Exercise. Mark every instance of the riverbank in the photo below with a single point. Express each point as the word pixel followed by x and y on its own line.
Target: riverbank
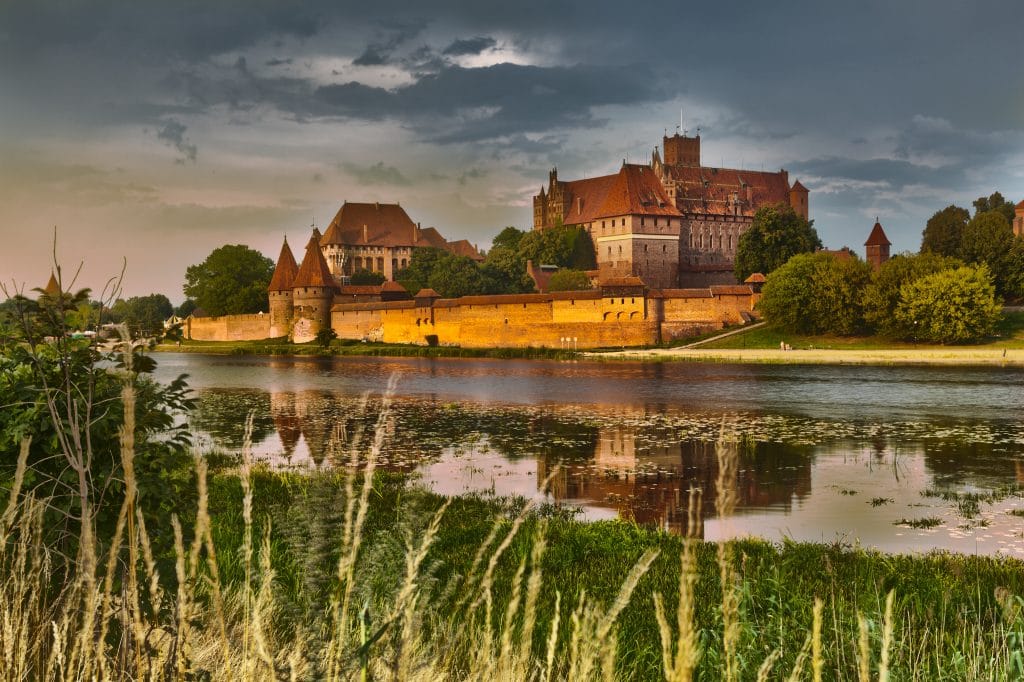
pixel 358 349
pixel 952 613
pixel 959 356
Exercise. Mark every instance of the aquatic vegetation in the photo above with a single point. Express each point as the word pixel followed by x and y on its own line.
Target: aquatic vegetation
pixel 924 522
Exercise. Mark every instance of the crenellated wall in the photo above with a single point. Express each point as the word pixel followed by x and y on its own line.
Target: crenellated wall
pixel 579 319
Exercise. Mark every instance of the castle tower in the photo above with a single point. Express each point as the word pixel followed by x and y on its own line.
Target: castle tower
pixel 876 248
pixel 280 293
pixel 312 293
pixel 681 150
pixel 1018 220
pixel 798 200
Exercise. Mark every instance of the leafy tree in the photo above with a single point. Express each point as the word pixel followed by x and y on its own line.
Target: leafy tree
pixel 951 306
pixel 68 397
pixel 944 231
pixel 363 276
pixel 143 315
pixel 988 239
pixel 508 238
pixel 568 279
pixel 186 308
pixel 776 235
pixel 563 246
pixel 325 336
pixel 1014 283
pixel 454 276
pixel 504 272
pixel 994 202
pixel 882 295
pixel 817 294
pixel 416 275
pixel 232 280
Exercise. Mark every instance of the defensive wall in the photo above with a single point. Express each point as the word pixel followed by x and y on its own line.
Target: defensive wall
pixel 228 328
pixel 598 318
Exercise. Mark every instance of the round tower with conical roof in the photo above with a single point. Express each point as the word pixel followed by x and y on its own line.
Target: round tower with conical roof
pixel 312 293
pixel 280 293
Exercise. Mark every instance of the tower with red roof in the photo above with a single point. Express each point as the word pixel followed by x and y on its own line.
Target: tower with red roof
pixel 876 248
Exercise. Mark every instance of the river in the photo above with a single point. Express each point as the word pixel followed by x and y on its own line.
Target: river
pixel 902 459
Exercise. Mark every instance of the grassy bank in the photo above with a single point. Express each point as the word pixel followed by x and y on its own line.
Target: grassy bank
pixel 343 348
pixel 949 623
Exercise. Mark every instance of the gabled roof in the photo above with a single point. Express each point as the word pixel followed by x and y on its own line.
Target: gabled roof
pixel 636 191
pixel 462 247
pixel 427 293
pixel 583 198
pixel 284 273
pixel 1020 206
pixel 392 285
pixel 798 186
pixel 386 225
pixel 877 237
pixel 755 278
pixel 314 271
pixel 709 191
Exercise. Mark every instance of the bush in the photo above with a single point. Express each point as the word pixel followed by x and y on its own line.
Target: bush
pixel 882 295
pixel 951 306
pixel 816 294
pixel 569 280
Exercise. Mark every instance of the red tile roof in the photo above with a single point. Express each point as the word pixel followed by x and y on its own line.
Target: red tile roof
pixel 755 278
pixel 284 273
pixel 798 186
pixel 583 198
pixel 877 237
pixel 729 290
pixel 387 225
pixel 701 190
pixel 314 271
pixel 391 285
pixel 636 191
pixel 427 293
pixel 1020 206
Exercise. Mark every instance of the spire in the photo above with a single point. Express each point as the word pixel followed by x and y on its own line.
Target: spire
pixel 314 271
pixel 877 236
pixel 284 273
pixel 52 288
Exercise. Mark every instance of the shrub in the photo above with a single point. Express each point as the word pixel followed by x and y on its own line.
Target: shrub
pixel 951 306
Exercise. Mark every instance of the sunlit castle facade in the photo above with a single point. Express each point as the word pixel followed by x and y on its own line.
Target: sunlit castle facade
pixel 672 222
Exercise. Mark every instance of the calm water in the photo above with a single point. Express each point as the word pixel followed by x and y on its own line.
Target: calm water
pixel 833 454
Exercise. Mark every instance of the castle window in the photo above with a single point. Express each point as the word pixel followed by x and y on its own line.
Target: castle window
pixel 642 219
pixel 645 248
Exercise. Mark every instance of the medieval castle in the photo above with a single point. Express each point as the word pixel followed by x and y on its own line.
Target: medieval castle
pixel 671 222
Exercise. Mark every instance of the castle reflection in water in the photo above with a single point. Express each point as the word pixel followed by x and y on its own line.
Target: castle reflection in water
pixel 637 473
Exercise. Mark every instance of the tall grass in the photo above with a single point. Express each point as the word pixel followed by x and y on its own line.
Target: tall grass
pixel 115 617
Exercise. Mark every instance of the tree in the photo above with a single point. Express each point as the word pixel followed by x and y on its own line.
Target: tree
pixel 1015 269
pixel 568 279
pixel 504 272
pixel 416 275
pixel 944 231
pixel 816 294
pixel 143 315
pixel 994 202
pixel 232 280
pixel 563 246
pixel 882 295
pixel 454 276
pixel 363 276
pixel 988 239
pixel 508 238
pixel 186 308
pixel 776 235
pixel 951 306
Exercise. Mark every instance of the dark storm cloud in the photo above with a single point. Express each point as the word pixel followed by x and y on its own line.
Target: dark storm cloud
pixel 395 34
pixel 173 134
pixel 896 173
pixel 469 46
pixel 376 174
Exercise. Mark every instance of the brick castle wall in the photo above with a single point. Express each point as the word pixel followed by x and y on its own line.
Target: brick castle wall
pixel 588 319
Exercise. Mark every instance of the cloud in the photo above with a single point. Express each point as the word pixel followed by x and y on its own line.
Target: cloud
pixel 470 46
pixel 173 134
pixel 373 55
pixel 376 174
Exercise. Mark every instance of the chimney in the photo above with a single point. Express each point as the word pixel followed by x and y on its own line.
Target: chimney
pixel 366 233
pixel 416 233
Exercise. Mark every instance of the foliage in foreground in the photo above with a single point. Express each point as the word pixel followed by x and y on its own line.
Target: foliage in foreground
pixel 327 575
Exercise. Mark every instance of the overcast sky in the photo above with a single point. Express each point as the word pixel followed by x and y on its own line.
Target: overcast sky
pixel 156 131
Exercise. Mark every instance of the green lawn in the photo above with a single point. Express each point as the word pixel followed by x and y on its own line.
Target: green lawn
pixel 1009 334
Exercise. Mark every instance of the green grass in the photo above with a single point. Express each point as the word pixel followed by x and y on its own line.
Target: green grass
pixel 357 348
pixel 1009 334
pixel 941 599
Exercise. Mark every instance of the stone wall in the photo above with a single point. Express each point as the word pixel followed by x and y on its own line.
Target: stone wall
pixel 579 319
pixel 228 328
